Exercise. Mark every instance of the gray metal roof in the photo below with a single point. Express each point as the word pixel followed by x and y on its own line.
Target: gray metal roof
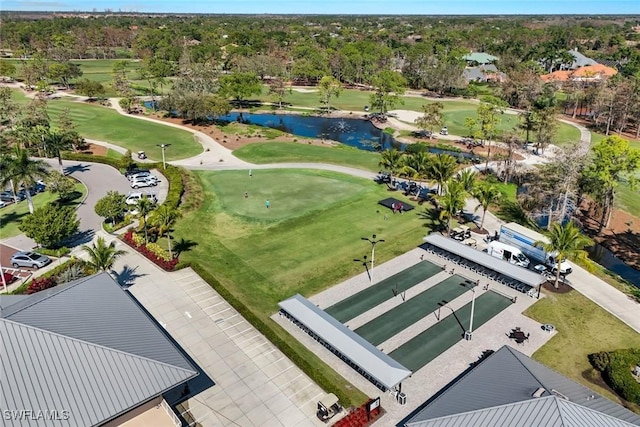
pixel 550 411
pixel 377 364
pixel 96 309
pixel 503 267
pixel 61 368
pixel 579 60
pixel 508 377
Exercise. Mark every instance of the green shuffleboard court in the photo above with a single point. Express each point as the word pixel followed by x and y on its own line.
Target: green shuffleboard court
pixel 406 314
pixel 422 349
pixel 368 298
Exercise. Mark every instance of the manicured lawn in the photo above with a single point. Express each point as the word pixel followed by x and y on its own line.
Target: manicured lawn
pixel 11 215
pixel 113 154
pixel 304 243
pixel 288 152
pixel 627 199
pixel 106 124
pixel 100 70
pixel 583 328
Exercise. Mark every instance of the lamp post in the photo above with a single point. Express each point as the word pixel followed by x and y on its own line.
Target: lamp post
pixel 469 333
pixel 163 146
pixel 373 242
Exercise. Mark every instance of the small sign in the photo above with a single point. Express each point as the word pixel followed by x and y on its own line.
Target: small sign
pixel 375 403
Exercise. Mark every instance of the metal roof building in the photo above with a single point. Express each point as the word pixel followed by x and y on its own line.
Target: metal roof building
pixel 510 389
pixel 375 365
pixel 86 348
pixel 523 275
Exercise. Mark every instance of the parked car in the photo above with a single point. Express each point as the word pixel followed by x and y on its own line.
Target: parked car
pixel 29 259
pixel 2 204
pixel 7 196
pixel 133 172
pixel 144 182
pixel 132 198
pixel 8 278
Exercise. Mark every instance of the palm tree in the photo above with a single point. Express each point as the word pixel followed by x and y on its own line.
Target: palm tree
pixel 391 160
pixel 163 218
pixel 55 142
pixel 486 194
pixel 441 169
pixel 144 206
pixel 451 202
pixel 567 242
pixel 468 180
pixel 21 170
pixel 102 256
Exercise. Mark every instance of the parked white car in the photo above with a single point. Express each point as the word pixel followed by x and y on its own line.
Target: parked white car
pixel 132 198
pixel 144 182
pixel 138 175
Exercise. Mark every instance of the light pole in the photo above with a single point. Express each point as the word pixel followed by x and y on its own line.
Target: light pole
pixel 163 146
pixel 469 333
pixel 373 242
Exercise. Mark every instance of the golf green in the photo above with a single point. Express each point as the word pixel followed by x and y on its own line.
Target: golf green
pixel 422 349
pixel 372 296
pixel 406 314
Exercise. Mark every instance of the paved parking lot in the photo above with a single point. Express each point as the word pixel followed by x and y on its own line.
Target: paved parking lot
pixel 255 384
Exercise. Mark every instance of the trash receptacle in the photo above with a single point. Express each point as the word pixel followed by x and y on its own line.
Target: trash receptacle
pixel 468 335
pixel 402 398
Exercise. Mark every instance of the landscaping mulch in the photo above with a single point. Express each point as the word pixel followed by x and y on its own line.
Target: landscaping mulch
pixel 563 288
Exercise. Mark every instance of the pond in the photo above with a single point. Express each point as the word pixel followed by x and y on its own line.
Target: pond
pixel 608 260
pixel 358 133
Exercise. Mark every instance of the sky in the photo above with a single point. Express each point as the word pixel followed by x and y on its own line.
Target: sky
pixel 337 7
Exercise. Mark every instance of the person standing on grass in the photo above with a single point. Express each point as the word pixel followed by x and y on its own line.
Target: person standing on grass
pixel 267 204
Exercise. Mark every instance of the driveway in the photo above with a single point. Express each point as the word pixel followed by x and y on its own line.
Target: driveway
pixel 99 180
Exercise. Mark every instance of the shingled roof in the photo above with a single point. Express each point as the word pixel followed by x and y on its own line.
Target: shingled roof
pixel 87 348
pixel 501 391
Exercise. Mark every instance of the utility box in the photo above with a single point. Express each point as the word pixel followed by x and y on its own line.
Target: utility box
pixel 468 335
pixel 402 398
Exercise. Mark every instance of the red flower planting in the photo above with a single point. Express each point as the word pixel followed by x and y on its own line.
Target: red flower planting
pixel 40 284
pixel 160 262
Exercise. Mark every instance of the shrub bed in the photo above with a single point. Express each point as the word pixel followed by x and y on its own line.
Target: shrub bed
pixel 61 251
pixel 53 274
pixel 168 264
pixel 40 284
pixel 616 368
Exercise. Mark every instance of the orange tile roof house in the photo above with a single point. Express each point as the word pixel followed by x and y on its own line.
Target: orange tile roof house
pixel 589 73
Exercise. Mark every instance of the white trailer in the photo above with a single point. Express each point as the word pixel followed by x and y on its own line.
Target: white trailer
pixel 523 238
pixel 508 253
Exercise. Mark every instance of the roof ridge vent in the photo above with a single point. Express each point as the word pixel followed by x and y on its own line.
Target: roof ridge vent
pixel 560 395
pixel 539 392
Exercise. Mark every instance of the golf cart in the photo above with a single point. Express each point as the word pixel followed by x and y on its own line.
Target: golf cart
pixel 142 155
pixel 444 131
pixel 328 407
pixel 460 233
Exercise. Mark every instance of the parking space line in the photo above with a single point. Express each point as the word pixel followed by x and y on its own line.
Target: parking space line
pixel 241 332
pixel 232 326
pixel 308 385
pixel 292 379
pixel 248 339
pixel 314 399
pixel 216 314
pixel 281 372
pixel 206 299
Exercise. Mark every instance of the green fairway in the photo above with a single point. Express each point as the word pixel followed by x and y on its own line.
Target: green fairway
pixel 106 124
pixel 406 314
pixel 287 152
pixel 431 343
pixel 12 215
pixel 372 296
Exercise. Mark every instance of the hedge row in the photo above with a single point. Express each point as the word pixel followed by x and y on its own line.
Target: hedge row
pixel 617 367
pixel 307 367
pixel 49 274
